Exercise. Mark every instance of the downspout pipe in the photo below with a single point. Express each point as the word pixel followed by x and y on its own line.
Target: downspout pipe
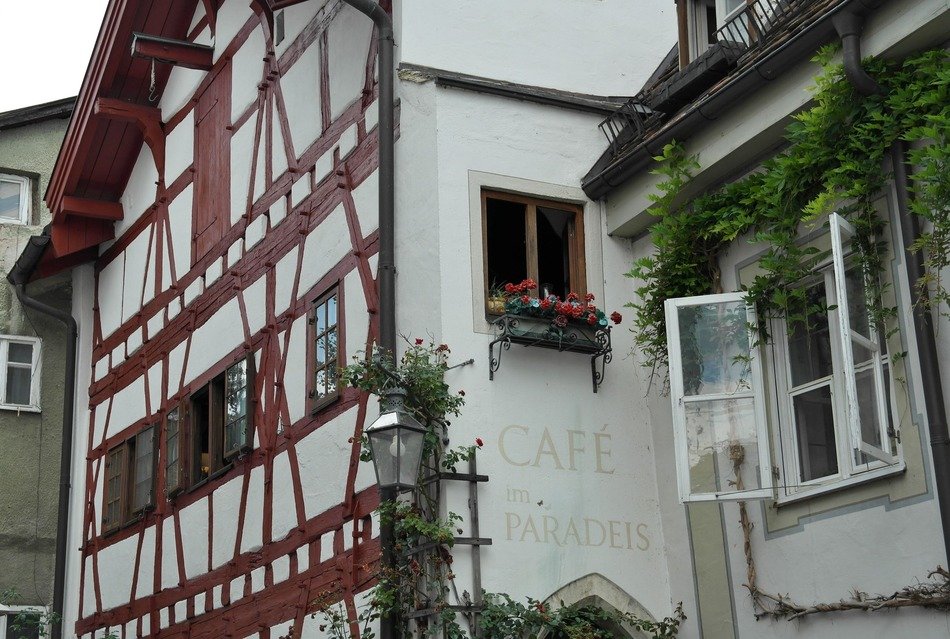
pixel 849 27
pixel 18 276
pixel 390 623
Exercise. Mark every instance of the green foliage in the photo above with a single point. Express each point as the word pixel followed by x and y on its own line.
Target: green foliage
pixel 28 622
pixel 834 161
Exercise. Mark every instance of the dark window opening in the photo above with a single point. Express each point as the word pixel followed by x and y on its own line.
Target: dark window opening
pixel 507 254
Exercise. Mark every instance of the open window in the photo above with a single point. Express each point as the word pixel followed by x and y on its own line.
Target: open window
pixel 206 432
pixel 720 430
pixel 130 479
pixel 526 237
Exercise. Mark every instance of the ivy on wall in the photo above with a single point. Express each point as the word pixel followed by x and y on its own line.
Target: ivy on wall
pixel 834 161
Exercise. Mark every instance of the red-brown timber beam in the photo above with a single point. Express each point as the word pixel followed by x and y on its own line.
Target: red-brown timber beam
pixel 148 119
pixel 97 209
pixel 180 53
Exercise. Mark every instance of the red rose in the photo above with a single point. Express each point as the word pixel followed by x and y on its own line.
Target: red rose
pixel 616 317
pixel 591 319
pixel 479 442
pixel 418 341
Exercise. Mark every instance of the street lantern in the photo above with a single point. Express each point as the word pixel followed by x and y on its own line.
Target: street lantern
pixel 395 442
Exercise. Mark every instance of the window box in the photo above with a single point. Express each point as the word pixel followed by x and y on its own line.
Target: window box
pixel 576 337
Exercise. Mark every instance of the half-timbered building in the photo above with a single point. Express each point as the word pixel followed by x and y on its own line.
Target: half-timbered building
pixel 216 200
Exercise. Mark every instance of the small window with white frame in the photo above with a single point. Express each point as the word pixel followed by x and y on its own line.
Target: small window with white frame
pixel 15 199
pixel 22 622
pixel 829 373
pixel 20 373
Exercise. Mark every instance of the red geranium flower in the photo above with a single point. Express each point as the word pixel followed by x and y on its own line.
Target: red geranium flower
pixel 509 288
pixel 545 304
pixel 525 299
pixel 589 297
pixel 616 317
pixel 577 311
pixel 572 297
pixel 529 284
pixel 591 319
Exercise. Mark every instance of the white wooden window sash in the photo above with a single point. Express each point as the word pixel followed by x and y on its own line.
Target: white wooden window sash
pixel 718 452
pixel 842 231
pixel 34 367
pixel 25 198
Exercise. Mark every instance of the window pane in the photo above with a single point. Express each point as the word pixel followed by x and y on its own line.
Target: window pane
pixel 236 377
pixel 320 317
pixel 331 310
pixel 321 350
pixel 720 433
pixel 142 492
pixel 714 342
pixel 814 421
pixel 236 405
pixel 554 267
pixel 235 434
pixel 21 353
pixel 866 386
pixel 809 342
pixel 857 302
pixel 23 626
pixel 9 200
pixel 172 453
pixel 18 385
pixel 507 256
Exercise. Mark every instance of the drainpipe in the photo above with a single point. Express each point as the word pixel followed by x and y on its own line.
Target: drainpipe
pixel 391 622
pixel 18 276
pixel 849 26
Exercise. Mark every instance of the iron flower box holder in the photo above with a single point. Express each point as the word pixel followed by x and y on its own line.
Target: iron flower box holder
pixel 572 325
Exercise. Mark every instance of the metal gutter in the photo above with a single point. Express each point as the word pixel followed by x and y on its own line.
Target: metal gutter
pixel 19 276
pixel 849 27
pixel 608 174
pixel 583 102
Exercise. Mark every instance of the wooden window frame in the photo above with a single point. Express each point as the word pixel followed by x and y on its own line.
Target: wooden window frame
pixel 188 464
pixel 576 252
pixel 125 451
pixel 317 403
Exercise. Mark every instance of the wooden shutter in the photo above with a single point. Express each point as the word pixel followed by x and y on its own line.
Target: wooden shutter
pixel 211 207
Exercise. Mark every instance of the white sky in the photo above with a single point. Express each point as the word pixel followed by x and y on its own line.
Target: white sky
pixel 49 42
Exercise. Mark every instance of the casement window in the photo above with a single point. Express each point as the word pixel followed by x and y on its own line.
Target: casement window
pixel 526 237
pixel 22 622
pixel 20 372
pixel 15 199
pixel 324 355
pixel 129 479
pixel 832 410
pixel 205 433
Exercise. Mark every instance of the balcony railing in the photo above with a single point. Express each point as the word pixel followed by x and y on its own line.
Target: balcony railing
pixel 754 23
pixel 628 122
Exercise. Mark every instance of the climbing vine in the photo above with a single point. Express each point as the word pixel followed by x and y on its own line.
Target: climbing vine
pixel 834 159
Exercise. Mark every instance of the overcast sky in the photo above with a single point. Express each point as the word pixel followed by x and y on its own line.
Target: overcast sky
pixel 48 43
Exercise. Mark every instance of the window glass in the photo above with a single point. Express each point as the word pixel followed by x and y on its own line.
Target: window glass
pixel 112 514
pixel 325 349
pixel 814 418
pixel 714 343
pixel 21 353
pixel 809 340
pixel 18 385
pixel 172 453
pixel 10 200
pixel 235 407
pixel 719 434
pixel 143 470
pixel 507 242
pixel 23 626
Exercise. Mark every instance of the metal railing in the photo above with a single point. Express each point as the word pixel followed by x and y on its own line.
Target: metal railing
pixel 631 120
pixel 753 24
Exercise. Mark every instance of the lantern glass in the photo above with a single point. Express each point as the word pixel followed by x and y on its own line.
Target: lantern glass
pixel 396 441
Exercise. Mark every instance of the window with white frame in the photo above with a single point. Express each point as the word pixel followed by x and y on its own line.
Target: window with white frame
pixel 828 374
pixel 20 373
pixel 22 622
pixel 15 199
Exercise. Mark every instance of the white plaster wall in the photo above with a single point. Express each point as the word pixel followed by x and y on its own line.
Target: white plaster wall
pixel 325 246
pixel 348 42
pixel 295 375
pixel 179 148
pixel 194 537
pixel 324 457
pixel 253 512
pixel 136 259
pixel 606 47
pixel 301 94
pixel 541 398
pixel 146 578
pixel 179 220
pixel 284 507
pixel 110 295
pixel 214 339
pixel 181 86
pixel 227 503
pixel 247 69
pixel 128 406
pixel 139 192
pixel 357 319
pixel 115 586
pixel 230 18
